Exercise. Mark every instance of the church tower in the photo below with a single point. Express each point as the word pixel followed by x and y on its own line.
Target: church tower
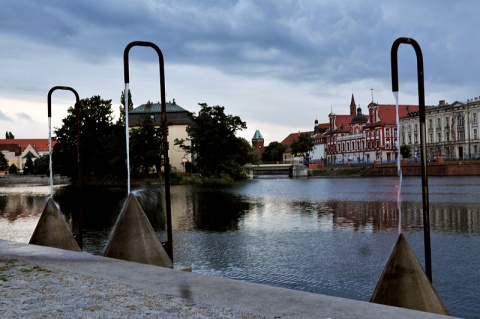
pixel 257 143
pixel 353 107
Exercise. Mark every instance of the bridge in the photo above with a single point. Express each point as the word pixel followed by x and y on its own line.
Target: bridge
pixel 272 169
pixel 292 170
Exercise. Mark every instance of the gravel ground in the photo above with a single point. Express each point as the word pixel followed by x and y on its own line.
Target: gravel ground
pixel 30 291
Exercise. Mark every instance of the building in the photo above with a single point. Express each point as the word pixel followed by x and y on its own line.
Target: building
pixel 451 130
pixel 365 138
pixel 177 121
pixel 258 143
pixel 17 151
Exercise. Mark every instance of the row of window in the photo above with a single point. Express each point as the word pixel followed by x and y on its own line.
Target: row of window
pixel 440 135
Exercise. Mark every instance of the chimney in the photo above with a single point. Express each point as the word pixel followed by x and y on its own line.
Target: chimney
pixel 441 103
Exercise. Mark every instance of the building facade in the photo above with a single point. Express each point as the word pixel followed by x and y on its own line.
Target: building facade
pixel 177 121
pixel 452 130
pixel 365 138
pixel 16 151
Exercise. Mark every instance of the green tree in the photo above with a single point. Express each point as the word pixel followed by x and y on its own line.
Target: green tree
pixel 274 152
pixel 97 136
pixel 121 118
pixel 41 165
pixel 213 142
pixel 13 169
pixel 3 162
pixel 303 145
pixel 145 147
pixel 405 151
pixel 28 167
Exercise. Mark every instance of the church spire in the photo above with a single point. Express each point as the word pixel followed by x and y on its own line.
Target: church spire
pixel 353 107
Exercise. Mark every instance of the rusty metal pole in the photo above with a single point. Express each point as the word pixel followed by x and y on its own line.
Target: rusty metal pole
pixel 78 108
pixel 423 149
pixel 169 243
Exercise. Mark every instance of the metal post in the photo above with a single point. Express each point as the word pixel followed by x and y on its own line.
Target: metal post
pixel 423 152
pixel 169 243
pixel 78 108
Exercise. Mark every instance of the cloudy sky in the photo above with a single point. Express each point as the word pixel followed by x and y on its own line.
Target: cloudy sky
pixel 278 64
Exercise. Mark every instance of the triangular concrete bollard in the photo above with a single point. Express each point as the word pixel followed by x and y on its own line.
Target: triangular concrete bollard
pixel 404 283
pixel 52 230
pixel 134 239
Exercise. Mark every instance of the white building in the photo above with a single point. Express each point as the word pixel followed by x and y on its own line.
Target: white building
pixel 451 130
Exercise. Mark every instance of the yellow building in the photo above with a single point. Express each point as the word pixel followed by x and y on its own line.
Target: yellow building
pixel 17 150
pixel 177 121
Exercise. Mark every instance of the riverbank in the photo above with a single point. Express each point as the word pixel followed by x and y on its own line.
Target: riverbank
pixel 377 169
pixel 33 180
pixel 37 282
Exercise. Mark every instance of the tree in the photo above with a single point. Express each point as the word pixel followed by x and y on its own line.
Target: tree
pixel 3 162
pixel 28 168
pixel 121 118
pixel 145 147
pixel 9 136
pixel 97 138
pixel 41 165
pixel 274 152
pixel 405 151
pixel 13 169
pixel 303 145
pixel 213 141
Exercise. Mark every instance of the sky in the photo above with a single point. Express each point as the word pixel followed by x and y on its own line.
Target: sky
pixel 277 64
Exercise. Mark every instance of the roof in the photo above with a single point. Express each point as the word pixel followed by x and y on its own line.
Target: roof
pixel 359 118
pixel 40 144
pixel 176 115
pixel 149 108
pixel 257 135
pixel 292 137
pixel 388 112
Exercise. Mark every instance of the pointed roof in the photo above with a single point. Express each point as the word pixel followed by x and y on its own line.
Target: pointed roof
pixel 352 102
pixel 257 135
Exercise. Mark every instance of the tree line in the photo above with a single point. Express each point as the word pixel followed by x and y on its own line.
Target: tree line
pixel 212 141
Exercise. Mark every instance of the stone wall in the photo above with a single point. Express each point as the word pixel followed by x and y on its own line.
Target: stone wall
pixel 433 169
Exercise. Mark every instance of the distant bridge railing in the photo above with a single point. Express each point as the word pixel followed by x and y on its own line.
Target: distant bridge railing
pixel 272 169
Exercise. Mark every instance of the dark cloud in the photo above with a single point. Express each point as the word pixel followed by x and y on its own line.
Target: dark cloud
pixel 332 48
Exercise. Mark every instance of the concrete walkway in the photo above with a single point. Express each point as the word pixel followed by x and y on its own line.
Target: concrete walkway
pixel 43 282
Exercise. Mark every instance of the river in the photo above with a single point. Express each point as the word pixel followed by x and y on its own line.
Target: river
pixel 323 235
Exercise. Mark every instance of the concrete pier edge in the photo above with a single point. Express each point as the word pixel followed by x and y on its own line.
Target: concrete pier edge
pixel 267 301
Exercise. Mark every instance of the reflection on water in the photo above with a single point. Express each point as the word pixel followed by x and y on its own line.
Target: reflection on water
pixel 330 236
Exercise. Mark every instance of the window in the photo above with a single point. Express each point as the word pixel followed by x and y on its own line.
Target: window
pixel 447 136
pixel 387 132
pixel 409 139
pixel 431 138
pixel 460 120
pixel 461 135
pixel 416 138
pixel 439 137
pixel 474 118
pixel 475 134
pixel 430 123
pixel 447 121
pixel 439 122
pixel 395 132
